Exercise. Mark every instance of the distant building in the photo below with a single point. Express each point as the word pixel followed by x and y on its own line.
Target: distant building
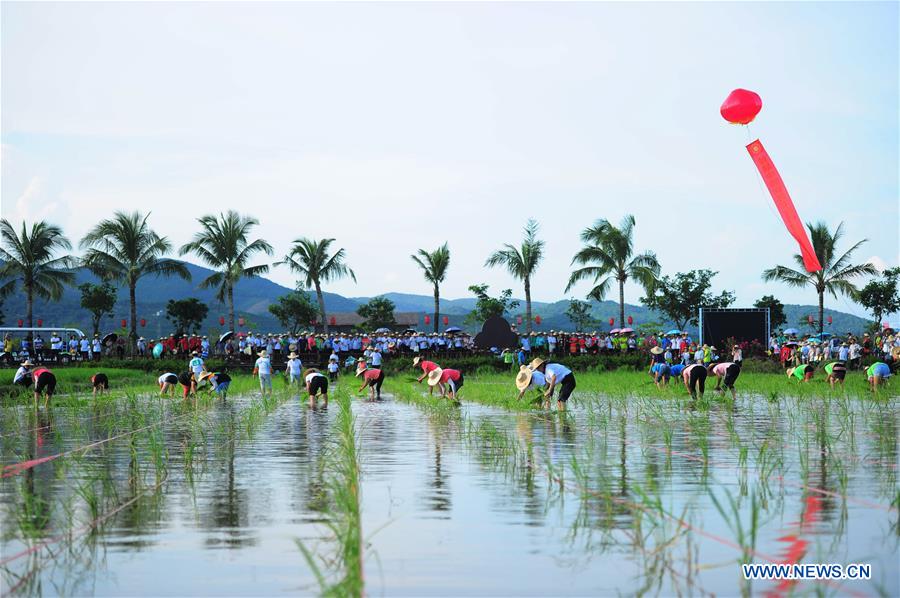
pixel 352 322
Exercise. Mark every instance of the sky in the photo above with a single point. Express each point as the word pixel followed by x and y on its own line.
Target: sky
pixel 393 127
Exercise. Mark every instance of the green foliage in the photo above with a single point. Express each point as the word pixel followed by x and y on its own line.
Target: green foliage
pixel 776 310
pixel 126 249
pixel 522 262
pixel 608 257
pixel 99 299
pixel 186 315
pixel 29 258
pixel 223 245
pixel 434 265
pixel 837 270
pixel 680 296
pixel 294 311
pixel 378 312
pixel 487 306
pixel 881 297
pixel 579 313
pixel 312 261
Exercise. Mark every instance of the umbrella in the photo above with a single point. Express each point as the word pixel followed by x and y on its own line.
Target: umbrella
pixel 158 350
pixel 453 329
pixel 824 334
pixel 813 340
pixel 226 336
pixel 110 338
pixel 791 331
pixel 382 330
pixel 413 330
pixel 789 343
pixel 673 332
pixel 615 331
pixel 626 330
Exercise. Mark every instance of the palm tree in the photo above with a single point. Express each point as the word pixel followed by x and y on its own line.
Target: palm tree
pixel 836 272
pixel 310 259
pixel 434 266
pixel 223 245
pixel 607 256
pixel 29 257
pixel 522 262
pixel 125 249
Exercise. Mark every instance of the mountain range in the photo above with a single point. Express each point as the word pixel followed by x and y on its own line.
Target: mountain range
pixel 253 295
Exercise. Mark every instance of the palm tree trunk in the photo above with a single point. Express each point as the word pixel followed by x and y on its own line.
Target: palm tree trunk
pixel 231 307
pixel 132 336
pixel 437 306
pixel 621 303
pixel 821 311
pixel 29 305
pixel 528 305
pixel 321 300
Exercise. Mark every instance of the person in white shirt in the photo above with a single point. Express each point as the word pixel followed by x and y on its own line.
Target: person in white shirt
pixel 376 358
pixel 96 347
pixel 316 384
pixel 263 368
pixel 196 365
pixel 294 368
pixel 333 368
pixel 556 375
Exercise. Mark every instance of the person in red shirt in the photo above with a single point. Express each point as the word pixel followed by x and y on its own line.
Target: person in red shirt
pixel 373 378
pixel 453 379
pixel 44 383
pixel 427 368
pixel 100 382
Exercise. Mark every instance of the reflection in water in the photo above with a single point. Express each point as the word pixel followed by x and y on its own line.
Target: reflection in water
pixel 576 503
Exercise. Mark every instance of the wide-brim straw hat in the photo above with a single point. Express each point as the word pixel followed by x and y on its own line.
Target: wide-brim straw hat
pixel 27 363
pixel 416 360
pixel 523 378
pixel 292 355
pixel 360 371
pixel 263 353
pixel 536 363
pixel 434 376
pixel 206 375
pixel 790 372
pixel 656 350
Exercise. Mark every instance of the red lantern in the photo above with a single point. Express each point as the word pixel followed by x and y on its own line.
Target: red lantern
pixel 124 322
pixel 241 321
pixel 612 321
pixel 518 319
pixel 446 320
pixel 21 323
pixel 332 321
pixel 40 322
pixel 427 319
pixel 630 320
pixel 537 320
pixel 221 320
pixel 143 322
pixel 829 320
pixel 809 319
pixel 741 107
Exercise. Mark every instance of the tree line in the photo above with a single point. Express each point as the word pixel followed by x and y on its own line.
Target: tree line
pixel 124 249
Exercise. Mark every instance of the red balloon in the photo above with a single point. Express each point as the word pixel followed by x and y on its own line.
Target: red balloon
pixel 124 322
pixel 40 323
pixel 332 321
pixel 221 320
pixel 21 323
pixel 630 320
pixel 537 320
pixel 143 322
pixel 446 320
pixel 829 319
pixel 612 321
pixel 741 107
pixel 428 319
pixel 241 321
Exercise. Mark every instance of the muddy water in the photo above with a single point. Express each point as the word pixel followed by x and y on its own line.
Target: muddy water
pixel 473 501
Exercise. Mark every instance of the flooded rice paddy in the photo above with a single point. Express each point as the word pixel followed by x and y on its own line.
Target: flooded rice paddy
pixel 412 496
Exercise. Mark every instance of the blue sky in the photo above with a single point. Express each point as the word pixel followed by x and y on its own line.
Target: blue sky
pixel 397 126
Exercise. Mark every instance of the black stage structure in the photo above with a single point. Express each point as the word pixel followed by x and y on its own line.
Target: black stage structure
pixel 742 324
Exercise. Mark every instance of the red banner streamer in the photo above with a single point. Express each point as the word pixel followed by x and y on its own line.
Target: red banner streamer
pixel 784 204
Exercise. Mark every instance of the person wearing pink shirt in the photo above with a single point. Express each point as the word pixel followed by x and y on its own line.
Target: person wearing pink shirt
pixel 427 368
pixel 446 378
pixel 726 374
pixel 373 378
pixel 694 377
